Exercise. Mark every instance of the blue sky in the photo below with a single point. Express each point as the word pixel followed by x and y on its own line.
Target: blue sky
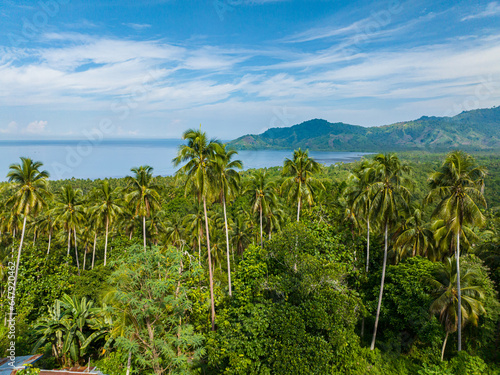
pixel 155 68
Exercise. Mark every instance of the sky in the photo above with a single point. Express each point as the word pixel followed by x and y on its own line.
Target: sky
pixel 154 68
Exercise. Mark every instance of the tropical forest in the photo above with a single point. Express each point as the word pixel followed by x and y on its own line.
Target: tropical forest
pixel 387 265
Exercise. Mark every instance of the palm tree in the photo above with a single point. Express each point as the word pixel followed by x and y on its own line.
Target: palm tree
pixel 228 185
pixel 193 222
pixel 388 196
pixel 359 198
pixel 240 231
pixel 413 237
pixel 107 207
pixel 199 153
pixel 301 183
pixel 28 199
pixel 262 194
pixel 458 186
pixel 174 231
pixel 45 224
pixel 144 194
pixel 69 211
pixel 446 302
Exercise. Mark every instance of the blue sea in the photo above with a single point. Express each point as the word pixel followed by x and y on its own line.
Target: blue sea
pixel 65 159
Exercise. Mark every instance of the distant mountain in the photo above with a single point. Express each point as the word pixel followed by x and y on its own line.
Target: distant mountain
pixel 472 130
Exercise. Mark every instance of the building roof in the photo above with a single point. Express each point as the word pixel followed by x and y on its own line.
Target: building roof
pixel 21 361
pixel 6 367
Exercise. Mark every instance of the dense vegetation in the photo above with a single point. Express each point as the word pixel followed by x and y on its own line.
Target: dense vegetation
pixel 349 269
pixel 471 131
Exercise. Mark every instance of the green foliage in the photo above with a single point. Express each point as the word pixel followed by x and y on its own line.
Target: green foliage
pixel 405 319
pixel 114 363
pixel 29 370
pixel 151 289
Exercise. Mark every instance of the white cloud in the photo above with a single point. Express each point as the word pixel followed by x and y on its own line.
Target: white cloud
pixel 36 127
pixel 137 26
pixel 11 128
pixel 492 9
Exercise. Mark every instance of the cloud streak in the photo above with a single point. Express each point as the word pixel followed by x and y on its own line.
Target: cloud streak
pixel 492 9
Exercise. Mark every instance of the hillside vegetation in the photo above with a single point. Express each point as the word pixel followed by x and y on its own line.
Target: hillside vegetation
pixel 472 131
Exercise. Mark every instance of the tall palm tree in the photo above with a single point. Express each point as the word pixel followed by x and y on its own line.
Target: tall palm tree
pixel 389 195
pixel 458 185
pixel 446 303
pixel 144 194
pixel 301 183
pixel 199 153
pixel 262 194
pixel 228 186
pixel 359 198
pixel 28 199
pixel 69 210
pixel 107 208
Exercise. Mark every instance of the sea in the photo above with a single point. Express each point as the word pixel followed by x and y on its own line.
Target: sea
pixel 86 159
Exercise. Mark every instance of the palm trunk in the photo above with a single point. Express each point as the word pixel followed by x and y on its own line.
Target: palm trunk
pixel 93 251
pixel 209 265
pixel 459 292
pixel 199 247
pixel 260 225
pixel 227 245
pixel 69 240
pixel 129 362
pixel 368 246
pixel 444 346
pixel 372 346
pixel 50 240
pixel 11 309
pixel 76 254
pixel 84 257
pixel 144 231
pixel 106 241
pixel 298 210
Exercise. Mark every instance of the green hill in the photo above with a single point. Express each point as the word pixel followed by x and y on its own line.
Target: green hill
pixel 472 130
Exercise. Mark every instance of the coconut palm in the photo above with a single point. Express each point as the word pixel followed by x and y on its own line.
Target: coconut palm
pixel 107 207
pixel 228 186
pixel 69 211
pixel 193 222
pixel 174 231
pixel 359 199
pixel 262 195
pixel 389 195
pixel 240 230
pixel 446 302
pixel 413 237
pixel 275 217
pixel 458 186
pixel 28 198
pixel 46 224
pixel 143 194
pixel 200 171
pixel 300 182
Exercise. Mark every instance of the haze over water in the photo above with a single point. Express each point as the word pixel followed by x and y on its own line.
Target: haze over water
pixel 114 158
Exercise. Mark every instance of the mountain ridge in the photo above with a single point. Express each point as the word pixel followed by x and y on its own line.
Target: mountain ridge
pixel 473 130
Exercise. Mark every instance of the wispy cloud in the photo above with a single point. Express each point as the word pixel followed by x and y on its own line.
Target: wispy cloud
pixel 492 9
pixel 138 26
